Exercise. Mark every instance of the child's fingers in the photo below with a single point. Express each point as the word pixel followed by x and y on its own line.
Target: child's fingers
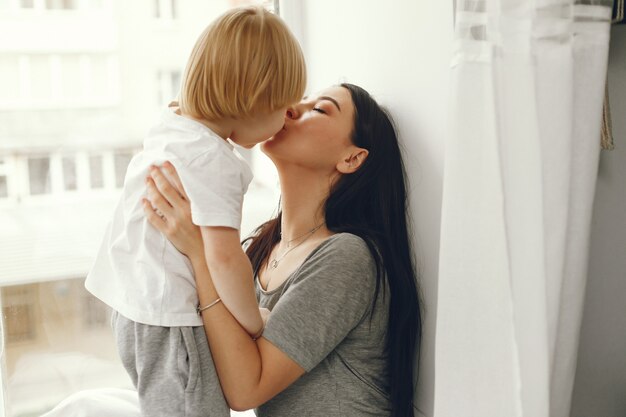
pixel 164 187
pixel 154 219
pixel 172 176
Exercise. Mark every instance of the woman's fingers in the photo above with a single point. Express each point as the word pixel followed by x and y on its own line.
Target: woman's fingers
pixel 172 176
pixel 158 201
pixel 164 187
pixel 154 219
pixel 174 221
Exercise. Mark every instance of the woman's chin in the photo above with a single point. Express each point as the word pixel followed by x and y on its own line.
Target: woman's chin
pixel 266 147
pixel 268 144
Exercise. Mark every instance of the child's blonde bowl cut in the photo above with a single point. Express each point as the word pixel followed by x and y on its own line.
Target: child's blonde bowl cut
pixel 245 63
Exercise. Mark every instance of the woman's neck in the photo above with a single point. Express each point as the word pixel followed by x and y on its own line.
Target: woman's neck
pixel 302 202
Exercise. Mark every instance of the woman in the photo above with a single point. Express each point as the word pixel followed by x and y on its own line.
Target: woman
pixel 334 267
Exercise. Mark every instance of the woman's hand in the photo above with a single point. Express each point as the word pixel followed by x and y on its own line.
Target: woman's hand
pixel 167 208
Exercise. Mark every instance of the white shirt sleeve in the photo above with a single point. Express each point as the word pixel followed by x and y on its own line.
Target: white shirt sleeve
pixel 214 183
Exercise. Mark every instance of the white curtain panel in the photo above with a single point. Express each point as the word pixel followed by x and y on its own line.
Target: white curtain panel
pixel 520 170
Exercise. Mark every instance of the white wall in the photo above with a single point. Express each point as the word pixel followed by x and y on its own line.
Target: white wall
pixel 600 387
pixel 400 52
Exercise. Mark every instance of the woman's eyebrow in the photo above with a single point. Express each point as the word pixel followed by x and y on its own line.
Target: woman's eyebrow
pixel 331 100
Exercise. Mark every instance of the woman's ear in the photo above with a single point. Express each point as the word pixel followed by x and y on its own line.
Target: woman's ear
pixel 352 161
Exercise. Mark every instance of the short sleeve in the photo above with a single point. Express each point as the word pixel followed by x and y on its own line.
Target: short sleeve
pixel 328 297
pixel 214 184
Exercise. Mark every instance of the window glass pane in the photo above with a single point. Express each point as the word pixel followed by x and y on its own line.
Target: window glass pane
pixel 18 311
pixel 100 76
pixel 61 4
pixel 40 77
pixel 69 173
pixel 4 190
pixel 175 82
pixel 9 76
pixel 121 163
pixel 56 313
pixel 71 75
pixel 39 175
pixel 95 171
pixel 168 86
pixel 174 7
pixel 166 9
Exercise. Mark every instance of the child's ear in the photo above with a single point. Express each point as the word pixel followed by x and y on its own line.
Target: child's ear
pixel 352 161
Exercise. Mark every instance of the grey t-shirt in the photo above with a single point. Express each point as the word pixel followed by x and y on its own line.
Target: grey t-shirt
pixel 320 318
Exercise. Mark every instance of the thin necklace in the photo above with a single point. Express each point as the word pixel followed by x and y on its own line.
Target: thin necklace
pixel 313 230
pixel 274 262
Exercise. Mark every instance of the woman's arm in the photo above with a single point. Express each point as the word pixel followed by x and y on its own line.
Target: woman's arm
pixel 250 372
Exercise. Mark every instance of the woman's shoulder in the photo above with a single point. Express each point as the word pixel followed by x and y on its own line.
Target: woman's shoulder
pixel 341 257
pixel 342 245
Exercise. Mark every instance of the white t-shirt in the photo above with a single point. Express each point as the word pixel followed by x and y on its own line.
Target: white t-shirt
pixel 137 271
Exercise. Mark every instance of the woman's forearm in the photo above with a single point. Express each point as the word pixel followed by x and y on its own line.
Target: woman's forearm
pixel 236 356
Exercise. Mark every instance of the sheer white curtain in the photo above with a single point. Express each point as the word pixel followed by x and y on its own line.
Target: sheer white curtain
pixel 521 160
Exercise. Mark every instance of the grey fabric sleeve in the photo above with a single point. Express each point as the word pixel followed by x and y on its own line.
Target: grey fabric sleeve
pixel 328 297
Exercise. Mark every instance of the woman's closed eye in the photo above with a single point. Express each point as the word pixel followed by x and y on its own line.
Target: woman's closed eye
pixel 319 110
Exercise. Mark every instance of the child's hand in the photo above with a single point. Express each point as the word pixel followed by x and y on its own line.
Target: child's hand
pixel 265 313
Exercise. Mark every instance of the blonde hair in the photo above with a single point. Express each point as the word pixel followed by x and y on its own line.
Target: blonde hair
pixel 245 62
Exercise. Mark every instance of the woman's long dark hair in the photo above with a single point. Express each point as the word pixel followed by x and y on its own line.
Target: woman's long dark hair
pixel 372 204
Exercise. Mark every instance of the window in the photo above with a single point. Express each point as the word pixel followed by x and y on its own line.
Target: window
pixel 122 159
pixel 72 85
pixel 168 86
pixel 96 176
pixel 69 173
pixel 72 123
pixel 40 77
pixel 18 309
pixel 165 9
pixel 60 4
pixel 94 312
pixel 4 187
pixel 9 74
pixel 39 175
pixel 54 79
pixel 100 76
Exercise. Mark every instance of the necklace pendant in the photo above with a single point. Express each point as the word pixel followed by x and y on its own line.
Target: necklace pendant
pixel 274 264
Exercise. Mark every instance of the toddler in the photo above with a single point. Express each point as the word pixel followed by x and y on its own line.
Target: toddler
pixel 244 71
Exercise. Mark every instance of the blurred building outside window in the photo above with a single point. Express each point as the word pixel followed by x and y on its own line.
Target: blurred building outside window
pixel 81 82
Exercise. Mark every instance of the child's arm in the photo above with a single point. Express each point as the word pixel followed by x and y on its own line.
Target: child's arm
pixel 232 276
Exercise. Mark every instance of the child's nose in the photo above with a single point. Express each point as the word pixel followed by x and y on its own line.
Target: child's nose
pixel 292 113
